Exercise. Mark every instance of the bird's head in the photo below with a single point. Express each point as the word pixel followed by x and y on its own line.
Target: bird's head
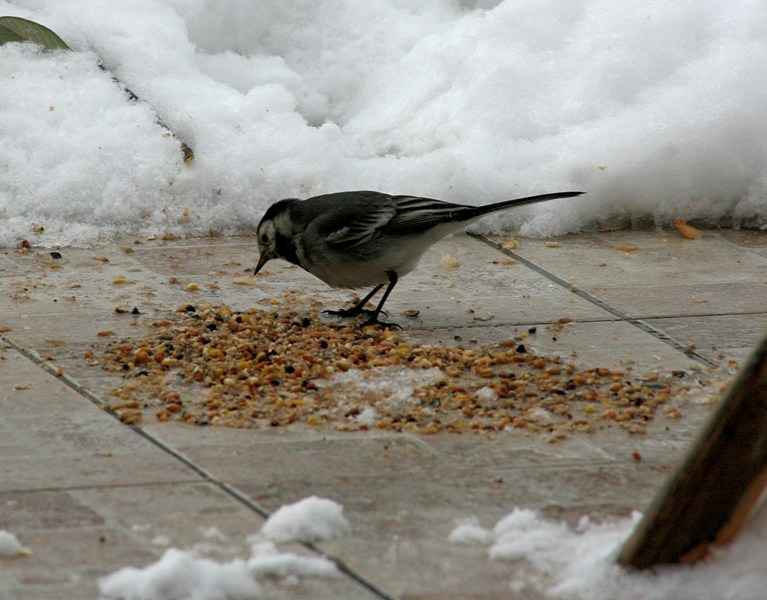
pixel 275 234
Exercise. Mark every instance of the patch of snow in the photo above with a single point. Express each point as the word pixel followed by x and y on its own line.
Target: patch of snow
pixel 310 519
pixel 9 544
pixel 267 561
pixel 552 560
pixel 186 575
pixel 180 574
pixel 469 531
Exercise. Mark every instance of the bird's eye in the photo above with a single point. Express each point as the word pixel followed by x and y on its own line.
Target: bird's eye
pixel 264 238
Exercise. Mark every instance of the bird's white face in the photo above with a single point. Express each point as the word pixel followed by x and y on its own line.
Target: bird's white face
pixel 267 243
pixel 266 236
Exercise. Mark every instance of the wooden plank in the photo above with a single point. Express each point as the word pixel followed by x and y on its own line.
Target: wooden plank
pixel 716 486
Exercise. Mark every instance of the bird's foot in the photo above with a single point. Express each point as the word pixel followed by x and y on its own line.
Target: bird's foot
pixel 345 313
pixel 373 320
pixel 355 311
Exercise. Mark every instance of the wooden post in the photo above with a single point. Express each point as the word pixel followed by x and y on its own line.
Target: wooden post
pixel 716 486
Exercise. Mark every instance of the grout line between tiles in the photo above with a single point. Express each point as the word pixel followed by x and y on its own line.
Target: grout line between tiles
pixel 738 249
pixel 203 473
pixel 622 316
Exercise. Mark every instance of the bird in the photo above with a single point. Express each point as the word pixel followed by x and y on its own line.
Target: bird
pixel 358 239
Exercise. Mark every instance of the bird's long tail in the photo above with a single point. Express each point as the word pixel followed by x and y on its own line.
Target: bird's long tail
pixel 489 208
pixel 416 214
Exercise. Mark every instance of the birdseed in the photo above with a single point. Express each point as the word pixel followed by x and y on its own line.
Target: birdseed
pixel 281 365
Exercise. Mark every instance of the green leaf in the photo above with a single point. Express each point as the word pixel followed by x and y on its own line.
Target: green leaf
pixel 16 29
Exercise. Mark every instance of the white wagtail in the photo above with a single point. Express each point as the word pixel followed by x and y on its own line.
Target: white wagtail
pixel 358 239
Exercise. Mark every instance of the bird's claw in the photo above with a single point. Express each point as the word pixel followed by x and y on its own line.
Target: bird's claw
pixel 348 312
pixel 372 316
pixel 373 320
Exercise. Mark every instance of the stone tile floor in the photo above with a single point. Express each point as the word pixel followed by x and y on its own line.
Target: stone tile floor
pixel 89 494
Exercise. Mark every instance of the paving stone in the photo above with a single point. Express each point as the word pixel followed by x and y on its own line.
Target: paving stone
pixel 745 238
pixel 89 495
pixel 702 299
pixel 69 561
pixel 717 337
pixel 661 258
pixel 601 344
pixel 46 509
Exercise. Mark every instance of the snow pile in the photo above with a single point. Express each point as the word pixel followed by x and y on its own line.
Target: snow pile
pixel 9 545
pixel 181 574
pixel 556 561
pixel 267 561
pixel 307 520
pixel 656 110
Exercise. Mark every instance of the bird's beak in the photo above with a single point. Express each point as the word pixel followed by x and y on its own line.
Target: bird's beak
pixel 262 260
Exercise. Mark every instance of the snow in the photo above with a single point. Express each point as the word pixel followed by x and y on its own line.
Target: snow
pixel 268 561
pixel 655 109
pixel 469 531
pixel 389 386
pixel 308 520
pixel 9 544
pixel 185 574
pixel 180 574
pixel 552 560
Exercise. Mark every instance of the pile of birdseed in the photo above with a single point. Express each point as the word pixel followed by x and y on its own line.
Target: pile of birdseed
pixel 278 365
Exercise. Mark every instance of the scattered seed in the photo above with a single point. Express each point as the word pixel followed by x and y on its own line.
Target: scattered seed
pixel 687 231
pixel 274 367
pixel 449 262
pixel 244 280
pixel 510 245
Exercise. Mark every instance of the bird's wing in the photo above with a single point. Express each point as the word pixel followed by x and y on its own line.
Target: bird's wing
pixel 415 214
pixel 355 222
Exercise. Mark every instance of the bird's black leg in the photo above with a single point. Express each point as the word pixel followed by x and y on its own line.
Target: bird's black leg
pixel 358 308
pixel 373 319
